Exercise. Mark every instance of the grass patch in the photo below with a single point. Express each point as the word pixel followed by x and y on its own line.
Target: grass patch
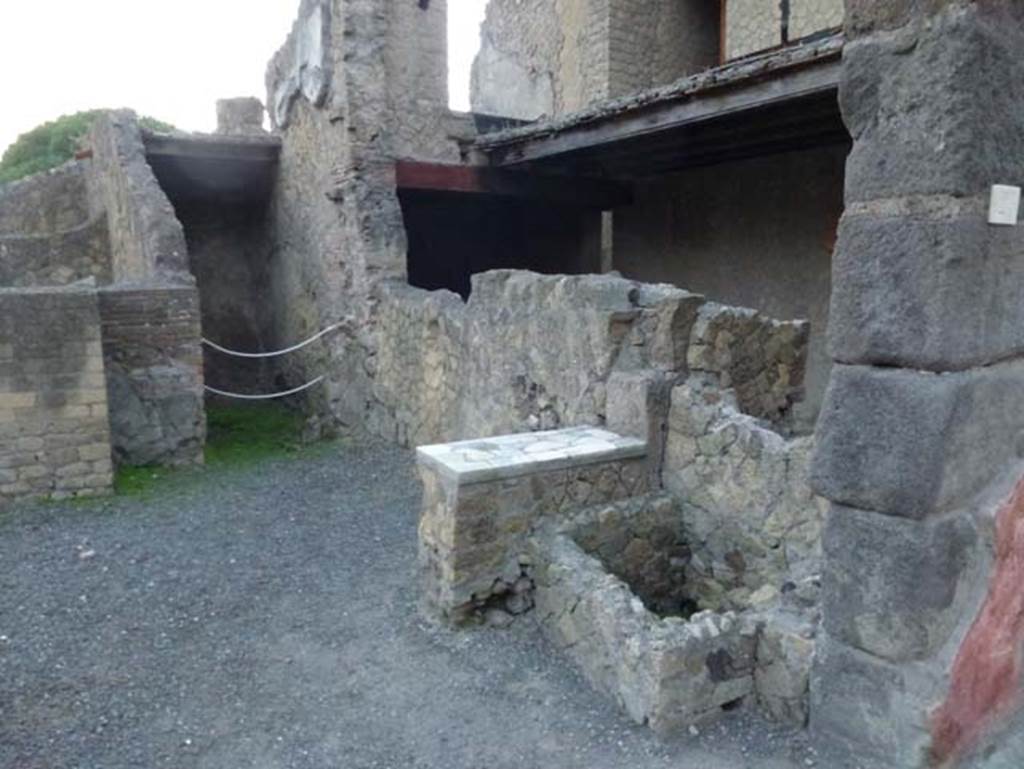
pixel 237 436
pixel 242 434
pixel 138 481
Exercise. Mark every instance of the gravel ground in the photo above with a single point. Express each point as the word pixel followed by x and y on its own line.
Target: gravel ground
pixel 266 617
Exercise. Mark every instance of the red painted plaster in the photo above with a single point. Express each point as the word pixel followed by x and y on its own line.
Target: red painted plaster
pixel 985 682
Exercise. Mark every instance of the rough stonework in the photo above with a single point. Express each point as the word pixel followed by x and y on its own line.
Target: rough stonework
pixel 240 117
pixel 54 434
pixel 669 671
pixel 46 203
pixel 102 226
pixel 65 257
pixel 613 589
pixel 154 374
pixel 482 498
pixel 146 240
pixel 919 442
pixel 752 518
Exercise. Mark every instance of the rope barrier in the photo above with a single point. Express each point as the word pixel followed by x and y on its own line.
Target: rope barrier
pixel 240 396
pixel 274 354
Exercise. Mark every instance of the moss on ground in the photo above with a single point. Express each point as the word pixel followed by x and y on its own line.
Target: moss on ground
pixel 237 436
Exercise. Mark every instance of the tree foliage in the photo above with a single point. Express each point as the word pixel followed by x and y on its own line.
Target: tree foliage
pixel 53 143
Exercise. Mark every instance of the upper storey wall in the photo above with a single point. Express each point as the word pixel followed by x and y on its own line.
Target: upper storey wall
pixel 552 57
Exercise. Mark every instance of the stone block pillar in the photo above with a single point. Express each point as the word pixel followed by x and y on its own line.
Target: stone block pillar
pixel 921 437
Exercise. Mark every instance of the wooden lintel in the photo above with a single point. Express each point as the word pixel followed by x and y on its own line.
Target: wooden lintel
pixel 736 100
pixel 484 180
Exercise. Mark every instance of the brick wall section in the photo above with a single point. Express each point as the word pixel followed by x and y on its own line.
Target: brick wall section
pixel 54 435
pixel 154 374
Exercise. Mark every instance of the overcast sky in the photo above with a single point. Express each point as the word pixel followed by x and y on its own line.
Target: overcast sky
pixel 171 60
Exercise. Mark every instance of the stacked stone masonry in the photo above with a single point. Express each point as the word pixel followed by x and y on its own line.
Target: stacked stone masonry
pixel 482 499
pixel 919 440
pixel 54 434
pixel 613 591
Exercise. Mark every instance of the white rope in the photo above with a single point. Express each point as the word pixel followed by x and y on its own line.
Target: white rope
pixel 274 354
pixel 299 389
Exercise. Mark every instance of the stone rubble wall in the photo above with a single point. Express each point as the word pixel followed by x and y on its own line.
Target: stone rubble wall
pixel 154 375
pixel 760 358
pixel 919 441
pixel 147 241
pixel 54 434
pixel 48 235
pixel 747 503
pixel 417 369
pixel 613 591
pixel 375 95
pixel 46 203
pixel 473 537
pixel 56 259
pixel 539 352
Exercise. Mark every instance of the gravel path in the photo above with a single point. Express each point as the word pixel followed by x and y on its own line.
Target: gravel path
pixel 267 617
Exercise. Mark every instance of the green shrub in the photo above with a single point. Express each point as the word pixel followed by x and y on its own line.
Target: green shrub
pixel 51 144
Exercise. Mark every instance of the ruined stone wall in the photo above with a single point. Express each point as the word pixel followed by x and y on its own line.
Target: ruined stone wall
pixel 58 259
pixel 919 442
pixel 54 436
pixel 154 373
pixel 48 235
pixel 146 240
pixel 357 84
pixel 536 352
pixel 552 57
pixel 770 249
pixel 46 203
pixel 417 375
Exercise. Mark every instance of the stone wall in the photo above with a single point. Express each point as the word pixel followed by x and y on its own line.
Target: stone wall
pixel 48 235
pixel 46 203
pixel 771 251
pixel 747 503
pixel 502 363
pixel 54 435
pixel 919 443
pixel 57 259
pixel 154 374
pixel 372 93
pixel 552 57
pixel 417 375
pixel 146 240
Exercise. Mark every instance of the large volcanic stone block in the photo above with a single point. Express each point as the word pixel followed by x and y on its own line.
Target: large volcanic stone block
pixel 932 287
pixel 911 443
pixel 904 602
pixel 919 105
pixel 866 712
